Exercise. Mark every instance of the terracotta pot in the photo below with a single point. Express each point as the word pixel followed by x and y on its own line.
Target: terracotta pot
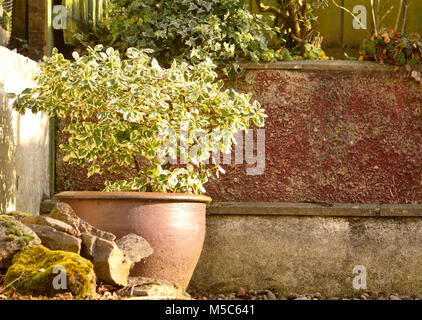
pixel 173 224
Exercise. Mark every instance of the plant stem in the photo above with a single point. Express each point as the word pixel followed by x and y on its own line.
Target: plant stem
pixel 396 26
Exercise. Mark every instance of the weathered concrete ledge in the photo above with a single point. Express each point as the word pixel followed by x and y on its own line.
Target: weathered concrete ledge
pixel 323 65
pixel 305 248
pixel 314 209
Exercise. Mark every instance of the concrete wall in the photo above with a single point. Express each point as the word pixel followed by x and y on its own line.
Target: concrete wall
pixel 24 140
pixel 337 131
pixel 306 248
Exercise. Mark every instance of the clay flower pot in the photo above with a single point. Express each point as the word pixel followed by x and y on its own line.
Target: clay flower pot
pixel 172 223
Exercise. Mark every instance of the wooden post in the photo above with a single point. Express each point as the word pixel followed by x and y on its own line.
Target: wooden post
pixel 19 19
pixel 39 12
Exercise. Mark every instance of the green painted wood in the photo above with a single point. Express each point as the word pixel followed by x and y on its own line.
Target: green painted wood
pixel 351 36
pixel 81 13
pixel 19 19
pixel 354 38
pixel 336 26
pixel 330 24
pixel 50 37
pixel 414 17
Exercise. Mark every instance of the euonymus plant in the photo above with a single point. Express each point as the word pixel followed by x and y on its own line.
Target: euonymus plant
pixel 5 17
pixel 131 113
pixel 192 30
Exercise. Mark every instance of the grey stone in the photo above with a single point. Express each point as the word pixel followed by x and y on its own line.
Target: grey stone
pixel 110 264
pixel 271 296
pixel 148 287
pixel 292 296
pixel 135 247
pixel 88 245
pixel 64 212
pixel 48 205
pixel 51 222
pixel 14 237
pixel 56 240
pixel 317 295
pixel 86 228
pixel 241 292
pixel 393 297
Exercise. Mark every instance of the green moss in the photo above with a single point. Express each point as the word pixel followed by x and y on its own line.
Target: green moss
pixel 18 214
pixel 15 231
pixel 26 238
pixel 7 220
pixel 10 238
pixel 34 269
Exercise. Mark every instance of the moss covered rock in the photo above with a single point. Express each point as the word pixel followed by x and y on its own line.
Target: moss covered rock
pixel 14 237
pixel 18 215
pixel 39 271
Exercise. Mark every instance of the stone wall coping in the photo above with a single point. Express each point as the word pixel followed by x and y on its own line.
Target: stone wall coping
pixel 314 209
pixel 299 209
pixel 323 65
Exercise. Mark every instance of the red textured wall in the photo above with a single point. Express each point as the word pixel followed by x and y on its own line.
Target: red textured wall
pixel 330 136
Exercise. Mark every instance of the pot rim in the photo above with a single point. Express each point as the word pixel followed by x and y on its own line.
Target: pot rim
pixel 132 195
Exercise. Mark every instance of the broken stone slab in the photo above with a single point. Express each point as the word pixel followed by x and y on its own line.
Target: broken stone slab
pixel 135 247
pixel 56 240
pixel 149 287
pixel 64 212
pixel 14 237
pixel 110 264
pixel 51 222
pixel 86 228
pixel 48 205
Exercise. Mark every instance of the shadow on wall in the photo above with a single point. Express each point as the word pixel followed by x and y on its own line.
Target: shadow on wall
pixel 7 155
pixel 24 140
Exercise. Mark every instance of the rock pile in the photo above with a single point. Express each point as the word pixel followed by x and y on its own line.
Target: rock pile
pixel 14 237
pixel 63 230
pixel 141 288
pixel 61 236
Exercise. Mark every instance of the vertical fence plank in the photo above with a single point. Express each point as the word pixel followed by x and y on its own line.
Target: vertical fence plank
pixel 19 19
pixel 336 26
pixel 330 26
